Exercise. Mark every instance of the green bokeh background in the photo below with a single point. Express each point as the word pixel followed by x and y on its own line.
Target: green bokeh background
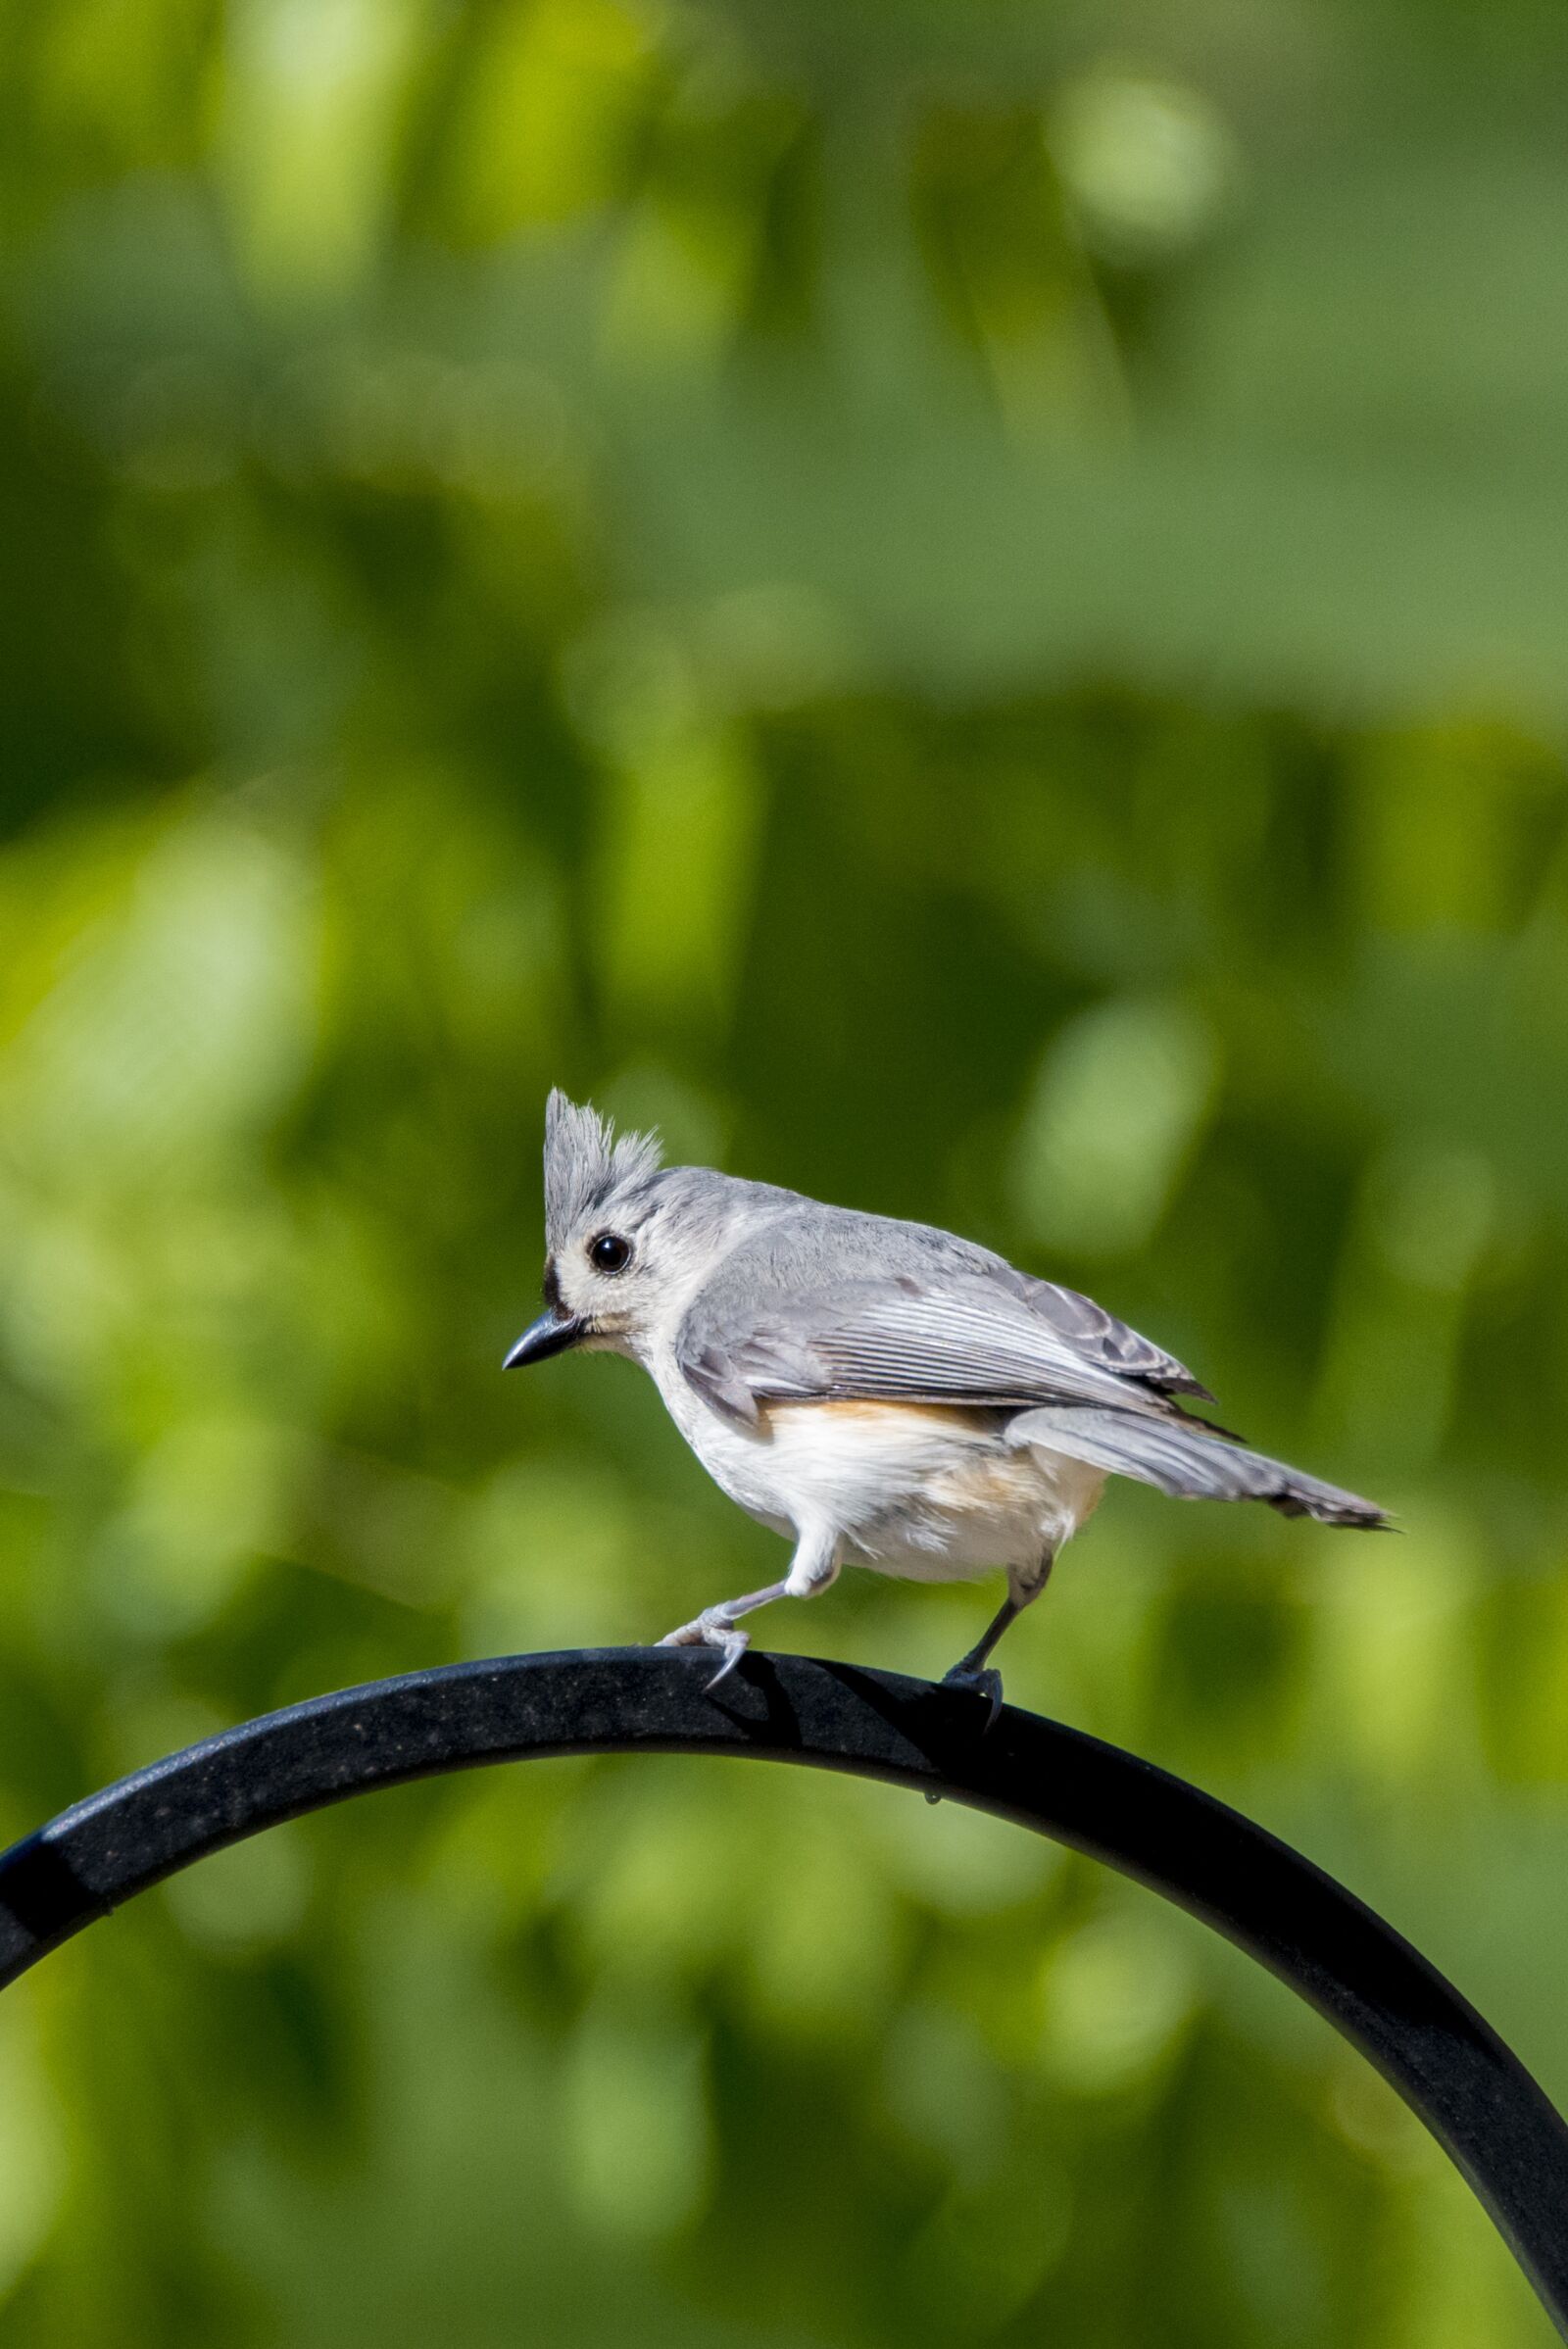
pixel 966 605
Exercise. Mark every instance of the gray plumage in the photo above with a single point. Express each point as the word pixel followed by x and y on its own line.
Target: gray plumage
pixel 752 1306
pixel 830 1304
pixel 826 1301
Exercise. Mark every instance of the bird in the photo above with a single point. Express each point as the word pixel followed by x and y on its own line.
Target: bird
pixel 883 1393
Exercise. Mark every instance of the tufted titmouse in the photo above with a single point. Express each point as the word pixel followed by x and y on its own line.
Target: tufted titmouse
pixel 880 1393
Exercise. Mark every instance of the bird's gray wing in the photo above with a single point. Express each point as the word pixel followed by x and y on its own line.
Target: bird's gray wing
pixel 980 1335
pixel 1100 1338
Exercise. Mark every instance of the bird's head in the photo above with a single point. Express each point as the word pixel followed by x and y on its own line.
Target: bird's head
pixel 626 1238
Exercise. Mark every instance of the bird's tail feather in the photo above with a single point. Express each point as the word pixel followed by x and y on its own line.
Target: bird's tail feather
pixel 1181 1460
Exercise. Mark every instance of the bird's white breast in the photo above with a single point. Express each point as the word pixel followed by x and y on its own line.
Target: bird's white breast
pixel 912 1490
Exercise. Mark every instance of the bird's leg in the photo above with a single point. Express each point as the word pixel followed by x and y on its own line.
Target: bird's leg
pixel 811 1569
pixel 973 1671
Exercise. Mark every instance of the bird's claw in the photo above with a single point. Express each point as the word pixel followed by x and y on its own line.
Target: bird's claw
pixel 986 1682
pixel 711 1629
pixel 734 1644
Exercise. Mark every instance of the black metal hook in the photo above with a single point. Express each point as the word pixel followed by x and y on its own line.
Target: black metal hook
pixel 1450 2066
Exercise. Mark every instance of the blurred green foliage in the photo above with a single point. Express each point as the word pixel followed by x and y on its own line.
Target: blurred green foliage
pixel 964 606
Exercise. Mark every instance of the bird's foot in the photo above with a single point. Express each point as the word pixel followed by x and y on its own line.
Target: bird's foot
pixel 713 1628
pixel 983 1680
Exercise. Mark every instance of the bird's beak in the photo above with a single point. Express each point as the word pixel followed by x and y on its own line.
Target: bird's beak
pixel 552 1333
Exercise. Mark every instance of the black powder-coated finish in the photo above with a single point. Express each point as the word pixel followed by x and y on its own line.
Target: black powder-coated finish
pixel 1451 2069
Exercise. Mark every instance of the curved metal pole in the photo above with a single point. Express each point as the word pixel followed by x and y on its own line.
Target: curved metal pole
pixel 1450 2067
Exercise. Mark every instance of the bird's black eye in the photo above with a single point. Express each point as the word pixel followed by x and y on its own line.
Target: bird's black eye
pixel 609 1252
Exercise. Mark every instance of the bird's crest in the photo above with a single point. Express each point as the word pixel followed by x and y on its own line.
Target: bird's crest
pixel 585 1163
